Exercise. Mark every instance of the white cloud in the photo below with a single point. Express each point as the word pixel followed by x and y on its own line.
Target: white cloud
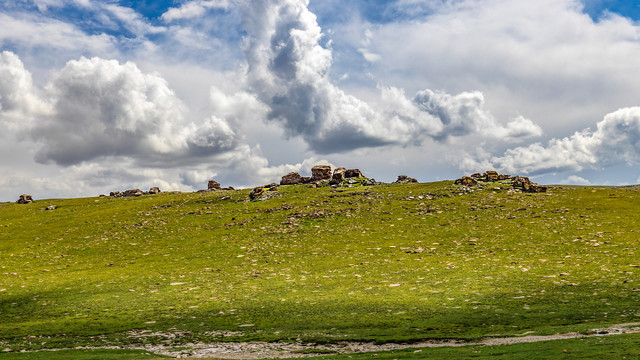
pixel 544 59
pixel 615 141
pixel 288 69
pixel 19 101
pixel 132 20
pixel 31 32
pixel 105 109
pixel 193 9
pixel 575 180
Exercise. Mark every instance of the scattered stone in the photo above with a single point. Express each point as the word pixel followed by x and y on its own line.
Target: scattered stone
pixel 404 179
pixel 154 190
pixel 25 199
pixel 51 207
pixel 321 172
pixel 292 178
pixel 353 173
pixel 213 185
pixel 338 176
pixel 466 180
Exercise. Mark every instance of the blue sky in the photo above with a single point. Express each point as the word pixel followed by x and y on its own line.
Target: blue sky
pixel 98 96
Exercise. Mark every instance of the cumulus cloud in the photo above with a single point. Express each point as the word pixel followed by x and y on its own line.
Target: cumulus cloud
pixel 288 69
pixel 575 180
pixel 465 114
pixel 616 140
pixel 103 108
pixel 193 9
pixel 19 100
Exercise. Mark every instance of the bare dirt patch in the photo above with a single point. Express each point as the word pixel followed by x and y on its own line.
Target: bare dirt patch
pixel 263 350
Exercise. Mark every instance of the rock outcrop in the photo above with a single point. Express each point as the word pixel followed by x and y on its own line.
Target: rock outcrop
pixel 466 180
pixel 292 178
pixel 256 193
pixel 126 193
pixel 526 185
pixel 25 199
pixel 261 193
pixel 521 183
pixel 320 172
pixel 353 173
pixel 154 190
pixel 213 185
pixel 404 179
pixel 491 175
pixel 338 176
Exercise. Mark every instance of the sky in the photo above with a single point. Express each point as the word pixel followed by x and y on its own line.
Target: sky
pixel 100 96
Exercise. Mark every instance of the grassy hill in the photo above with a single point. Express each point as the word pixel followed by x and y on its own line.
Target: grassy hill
pixel 383 263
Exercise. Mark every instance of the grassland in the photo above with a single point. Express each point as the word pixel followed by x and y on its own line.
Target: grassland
pixel 386 263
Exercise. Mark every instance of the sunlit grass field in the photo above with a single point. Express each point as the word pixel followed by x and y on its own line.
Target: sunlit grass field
pixel 383 263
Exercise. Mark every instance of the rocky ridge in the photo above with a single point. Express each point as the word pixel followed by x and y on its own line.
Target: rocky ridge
pixel 519 183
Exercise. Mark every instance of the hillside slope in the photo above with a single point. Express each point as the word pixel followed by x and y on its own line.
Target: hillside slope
pixel 385 263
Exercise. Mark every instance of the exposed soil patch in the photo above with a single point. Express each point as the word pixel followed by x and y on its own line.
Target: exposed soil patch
pixel 263 350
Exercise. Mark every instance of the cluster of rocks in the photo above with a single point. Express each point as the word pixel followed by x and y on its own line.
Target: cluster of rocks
pixel 214 185
pixel 264 192
pixel 25 199
pixel 527 185
pixel 518 182
pixel 135 192
pixel 404 179
pixel 322 175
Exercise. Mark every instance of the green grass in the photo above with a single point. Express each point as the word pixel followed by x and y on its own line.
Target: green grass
pixel 383 263
pixel 610 347
pixel 83 355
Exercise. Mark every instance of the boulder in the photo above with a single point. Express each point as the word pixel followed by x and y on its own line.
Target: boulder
pixel 338 175
pixel 51 207
pixel 25 199
pixel 154 190
pixel 271 187
pixel 292 178
pixel 115 193
pixel 491 175
pixel 228 188
pixel 353 173
pixel 321 172
pixel 213 185
pixel 404 179
pixel 526 185
pixel 466 180
pixel 132 192
pixel 476 176
pixel 256 192
pixel 306 180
